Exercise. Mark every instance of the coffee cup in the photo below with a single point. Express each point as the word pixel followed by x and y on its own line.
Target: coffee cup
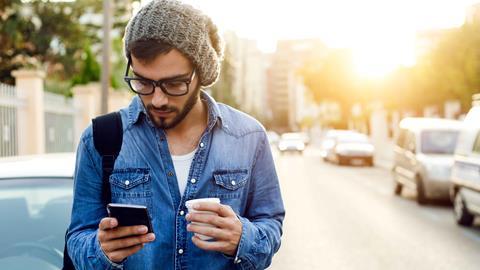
pixel 189 204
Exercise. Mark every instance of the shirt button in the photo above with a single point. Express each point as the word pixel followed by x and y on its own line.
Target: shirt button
pixel 238 261
pixel 193 180
pixel 202 144
pixel 234 183
pixel 182 213
pixel 180 251
pixel 127 183
pixel 170 173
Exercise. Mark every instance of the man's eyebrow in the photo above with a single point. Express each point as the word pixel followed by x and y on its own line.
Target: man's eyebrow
pixel 181 76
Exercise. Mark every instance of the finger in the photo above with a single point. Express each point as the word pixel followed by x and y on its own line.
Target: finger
pixel 122 243
pixel 214 220
pixel 216 233
pixel 220 246
pixel 221 209
pixel 118 255
pixel 107 223
pixel 124 231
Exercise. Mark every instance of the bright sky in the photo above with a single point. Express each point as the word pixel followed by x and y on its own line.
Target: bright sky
pixel 381 33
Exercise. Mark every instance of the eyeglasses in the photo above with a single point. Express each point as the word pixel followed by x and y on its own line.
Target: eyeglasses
pixel 172 87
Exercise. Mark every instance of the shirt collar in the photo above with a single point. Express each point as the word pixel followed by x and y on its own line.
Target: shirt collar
pixel 136 109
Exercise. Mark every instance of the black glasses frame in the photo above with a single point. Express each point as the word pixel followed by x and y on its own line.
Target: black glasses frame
pixel 159 83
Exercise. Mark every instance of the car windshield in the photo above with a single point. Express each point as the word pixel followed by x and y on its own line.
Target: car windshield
pixel 291 136
pixel 439 141
pixel 353 138
pixel 35 214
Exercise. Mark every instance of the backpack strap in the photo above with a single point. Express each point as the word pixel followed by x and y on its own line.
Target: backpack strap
pixel 107 139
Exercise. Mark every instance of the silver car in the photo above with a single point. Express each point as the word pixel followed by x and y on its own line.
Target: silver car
pixel 465 190
pixel 351 148
pixel 328 141
pixel 35 205
pixel 423 156
pixel 291 142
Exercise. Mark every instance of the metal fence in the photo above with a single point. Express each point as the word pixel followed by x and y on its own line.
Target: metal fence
pixel 8 120
pixel 59 122
pixel 59 119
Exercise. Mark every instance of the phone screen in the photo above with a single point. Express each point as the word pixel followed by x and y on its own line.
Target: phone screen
pixel 130 215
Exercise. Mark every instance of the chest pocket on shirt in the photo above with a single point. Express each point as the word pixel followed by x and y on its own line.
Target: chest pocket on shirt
pixel 131 186
pixel 229 183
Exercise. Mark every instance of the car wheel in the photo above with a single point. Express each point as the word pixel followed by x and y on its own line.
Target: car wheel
pixel 462 216
pixel 370 162
pixel 398 189
pixel 421 197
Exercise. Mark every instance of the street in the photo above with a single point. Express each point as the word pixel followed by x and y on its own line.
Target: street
pixel 348 218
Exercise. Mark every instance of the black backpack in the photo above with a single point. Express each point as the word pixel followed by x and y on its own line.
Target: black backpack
pixel 107 138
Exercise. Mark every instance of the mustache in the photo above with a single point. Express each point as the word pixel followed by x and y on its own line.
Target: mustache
pixel 164 108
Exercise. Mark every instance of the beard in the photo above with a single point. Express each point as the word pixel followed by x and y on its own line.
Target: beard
pixel 179 114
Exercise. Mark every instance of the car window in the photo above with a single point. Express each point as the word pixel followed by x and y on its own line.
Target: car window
pixel 476 146
pixel 439 141
pixel 35 213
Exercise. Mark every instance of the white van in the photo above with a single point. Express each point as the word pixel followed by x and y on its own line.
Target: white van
pixel 465 190
pixel 423 156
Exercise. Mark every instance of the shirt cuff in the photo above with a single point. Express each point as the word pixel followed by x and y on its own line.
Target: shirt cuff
pixel 245 245
pixel 104 260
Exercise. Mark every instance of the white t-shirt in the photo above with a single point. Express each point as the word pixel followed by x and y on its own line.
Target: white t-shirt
pixel 182 168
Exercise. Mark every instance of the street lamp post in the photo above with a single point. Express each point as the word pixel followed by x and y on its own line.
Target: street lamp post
pixel 106 55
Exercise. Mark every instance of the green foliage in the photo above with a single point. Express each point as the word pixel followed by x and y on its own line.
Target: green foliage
pixel 53 36
pixel 90 70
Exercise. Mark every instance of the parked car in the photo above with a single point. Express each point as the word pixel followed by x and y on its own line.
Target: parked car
pixel 465 190
pixel 35 205
pixel 351 148
pixel 423 156
pixel 291 142
pixel 328 141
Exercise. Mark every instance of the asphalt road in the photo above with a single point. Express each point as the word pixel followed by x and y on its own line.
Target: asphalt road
pixel 348 218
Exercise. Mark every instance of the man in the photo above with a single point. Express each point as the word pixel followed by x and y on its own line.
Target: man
pixel 178 145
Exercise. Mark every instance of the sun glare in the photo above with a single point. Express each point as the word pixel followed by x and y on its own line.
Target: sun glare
pixel 380 34
pixel 376 57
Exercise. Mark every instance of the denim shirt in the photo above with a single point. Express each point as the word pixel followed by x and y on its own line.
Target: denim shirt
pixel 233 163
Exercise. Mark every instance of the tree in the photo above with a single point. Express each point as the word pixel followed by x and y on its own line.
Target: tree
pixel 331 78
pixel 55 36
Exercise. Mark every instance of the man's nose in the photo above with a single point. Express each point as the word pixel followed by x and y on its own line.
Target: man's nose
pixel 159 97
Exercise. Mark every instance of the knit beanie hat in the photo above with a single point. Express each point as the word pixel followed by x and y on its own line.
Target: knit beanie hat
pixel 185 28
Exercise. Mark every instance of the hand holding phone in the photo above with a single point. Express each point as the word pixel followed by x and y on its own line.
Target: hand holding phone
pixel 120 240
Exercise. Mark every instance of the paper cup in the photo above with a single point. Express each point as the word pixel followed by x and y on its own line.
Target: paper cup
pixel 189 204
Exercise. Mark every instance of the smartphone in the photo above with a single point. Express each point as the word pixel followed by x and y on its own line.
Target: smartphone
pixel 130 215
